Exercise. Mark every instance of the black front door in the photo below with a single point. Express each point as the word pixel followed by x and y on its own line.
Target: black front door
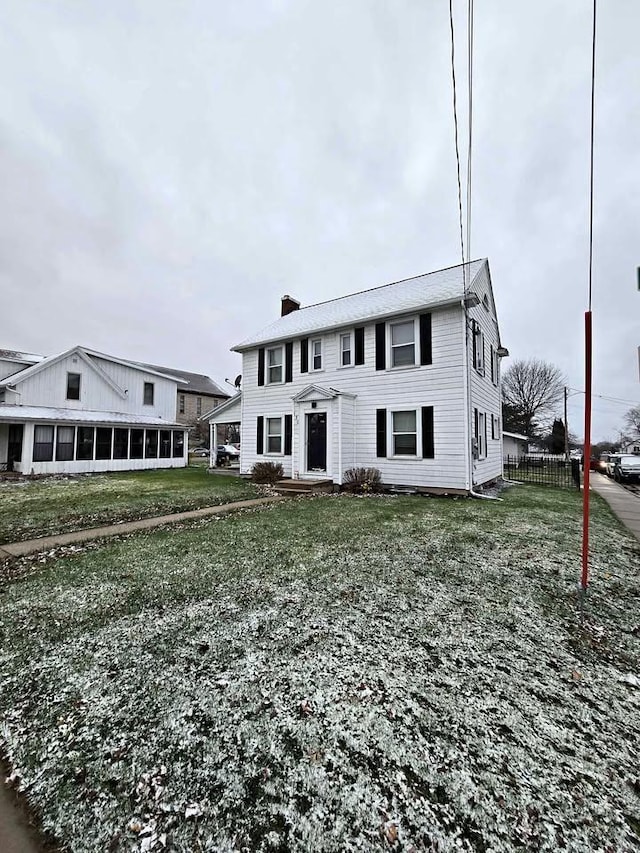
pixel 14 449
pixel 317 441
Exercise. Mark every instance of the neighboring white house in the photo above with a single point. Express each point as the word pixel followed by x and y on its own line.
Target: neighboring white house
pixel 514 444
pixel 86 411
pixel 630 445
pixel 403 377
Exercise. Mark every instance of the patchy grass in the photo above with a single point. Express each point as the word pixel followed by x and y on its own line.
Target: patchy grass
pixel 333 674
pixel 31 508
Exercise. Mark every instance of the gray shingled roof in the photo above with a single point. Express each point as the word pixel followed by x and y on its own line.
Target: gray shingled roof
pixel 398 297
pixel 197 383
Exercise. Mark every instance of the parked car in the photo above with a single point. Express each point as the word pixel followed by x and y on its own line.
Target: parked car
pixel 611 460
pixel 201 451
pixel 598 465
pixel 627 468
pixel 226 454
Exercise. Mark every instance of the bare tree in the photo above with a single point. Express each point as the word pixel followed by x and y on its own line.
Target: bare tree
pixel 632 421
pixel 531 390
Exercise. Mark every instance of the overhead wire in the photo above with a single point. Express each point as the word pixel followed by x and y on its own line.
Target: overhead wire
pixel 470 118
pixel 455 124
pixel 593 119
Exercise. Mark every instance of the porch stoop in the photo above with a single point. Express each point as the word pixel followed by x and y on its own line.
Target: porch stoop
pixel 304 487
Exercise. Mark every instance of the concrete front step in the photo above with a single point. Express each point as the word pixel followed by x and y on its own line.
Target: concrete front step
pixel 303 487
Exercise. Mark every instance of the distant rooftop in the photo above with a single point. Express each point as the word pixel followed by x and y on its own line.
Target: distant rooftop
pixel 196 383
pixel 410 294
pixel 24 357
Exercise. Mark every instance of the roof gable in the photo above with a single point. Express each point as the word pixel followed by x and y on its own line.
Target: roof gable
pixel 402 297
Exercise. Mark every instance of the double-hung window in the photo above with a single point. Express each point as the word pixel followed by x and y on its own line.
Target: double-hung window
pixel 346 350
pixel 480 433
pixel 478 348
pixel 274 365
pixel 316 355
pixel 404 428
pixel 274 435
pixel 65 439
pixel 403 344
pixel 43 443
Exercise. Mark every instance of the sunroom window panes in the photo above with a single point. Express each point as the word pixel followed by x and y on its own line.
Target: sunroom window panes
pixel 274 435
pixel 151 444
pixel 137 443
pixel 405 438
pixel 43 443
pixel 65 439
pixel 274 364
pixel 165 443
pixel 84 443
pixel 178 444
pixel 120 443
pixel 403 349
pixel 103 442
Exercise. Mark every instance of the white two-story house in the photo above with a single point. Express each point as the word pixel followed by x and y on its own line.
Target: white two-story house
pixel 404 378
pixel 84 411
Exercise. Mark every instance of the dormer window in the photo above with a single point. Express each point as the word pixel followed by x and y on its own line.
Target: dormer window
pixel 274 365
pixel 73 386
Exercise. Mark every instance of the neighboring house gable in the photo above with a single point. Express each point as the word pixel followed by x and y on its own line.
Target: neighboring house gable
pixel 196 394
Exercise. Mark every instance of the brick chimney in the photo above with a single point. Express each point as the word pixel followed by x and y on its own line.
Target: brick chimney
pixel 288 305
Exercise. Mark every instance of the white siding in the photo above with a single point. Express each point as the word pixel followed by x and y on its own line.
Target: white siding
pixel 48 387
pixel 439 385
pixel 485 394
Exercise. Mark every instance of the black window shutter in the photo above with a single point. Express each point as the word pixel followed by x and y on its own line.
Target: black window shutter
pixel 381 432
pixel 359 344
pixel 260 435
pixel 288 432
pixel 492 372
pixel 425 339
pixel 304 355
pixel 427 432
pixel 474 338
pixel 261 366
pixel 288 362
pixel 380 348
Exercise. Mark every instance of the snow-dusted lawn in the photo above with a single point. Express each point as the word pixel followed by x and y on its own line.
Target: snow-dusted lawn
pixel 333 674
pixel 30 508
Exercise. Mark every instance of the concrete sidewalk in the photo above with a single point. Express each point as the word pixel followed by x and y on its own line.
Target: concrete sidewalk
pixel 45 543
pixel 625 504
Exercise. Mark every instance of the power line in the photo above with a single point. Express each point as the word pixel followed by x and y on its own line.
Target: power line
pixel 470 118
pixel 455 123
pixel 593 120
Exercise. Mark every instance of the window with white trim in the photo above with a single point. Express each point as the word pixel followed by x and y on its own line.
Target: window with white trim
pixel 273 435
pixel 148 394
pixel 274 365
pixel 480 434
pixel 316 355
pixel 42 443
pixel 73 386
pixel 478 348
pixel 346 350
pixel 404 433
pixel 402 343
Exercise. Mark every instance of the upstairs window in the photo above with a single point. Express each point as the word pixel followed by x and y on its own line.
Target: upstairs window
pixel 148 394
pixel 181 404
pixel 274 365
pixel 73 386
pixel 403 344
pixel 316 355
pixel 478 347
pixel 198 406
pixel 346 350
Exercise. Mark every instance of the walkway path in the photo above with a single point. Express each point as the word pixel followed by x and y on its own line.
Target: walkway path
pixel 625 504
pixel 45 543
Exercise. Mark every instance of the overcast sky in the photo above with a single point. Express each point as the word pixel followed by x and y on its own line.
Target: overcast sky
pixel 170 168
